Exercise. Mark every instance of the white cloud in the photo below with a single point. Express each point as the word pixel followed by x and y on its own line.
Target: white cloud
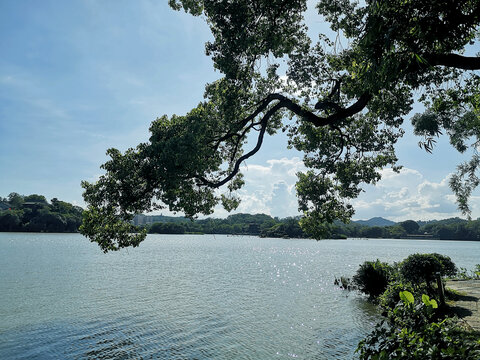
pixel 276 170
pixel 408 195
pixel 270 188
pixel 283 202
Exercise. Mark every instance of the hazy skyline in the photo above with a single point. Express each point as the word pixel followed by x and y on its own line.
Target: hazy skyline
pixel 78 77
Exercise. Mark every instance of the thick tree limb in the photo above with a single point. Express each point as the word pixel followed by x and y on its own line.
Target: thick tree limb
pixel 287 103
pixel 326 104
pixel 340 113
pixel 316 120
pixel 453 60
pixel 262 105
pixel 236 167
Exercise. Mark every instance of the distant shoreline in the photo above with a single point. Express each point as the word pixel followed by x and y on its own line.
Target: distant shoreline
pixel 261 237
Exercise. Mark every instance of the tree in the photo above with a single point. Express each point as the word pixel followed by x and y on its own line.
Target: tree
pixel 372 277
pixel 166 228
pixel 343 107
pixel 59 216
pixel 15 200
pixel 373 232
pixel 289 227
pixel 396 231
pixel 418 268
pixel 9 221
pixel 410 226
pixel 36 198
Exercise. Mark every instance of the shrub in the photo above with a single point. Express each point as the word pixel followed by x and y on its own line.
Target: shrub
pixel 418 268
pixel 372 277
pixel 344 283
pixel 410 332
pixel 391 296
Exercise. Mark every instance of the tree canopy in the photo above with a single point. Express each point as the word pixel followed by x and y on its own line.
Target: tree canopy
pixel 343 107
pixel 33 213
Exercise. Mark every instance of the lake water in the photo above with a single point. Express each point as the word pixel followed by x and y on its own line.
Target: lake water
pixel 190 296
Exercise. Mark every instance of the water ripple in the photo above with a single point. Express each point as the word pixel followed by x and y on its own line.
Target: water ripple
pixel 186 297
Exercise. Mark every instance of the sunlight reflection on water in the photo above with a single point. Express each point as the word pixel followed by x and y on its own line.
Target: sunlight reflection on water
pixel 190 297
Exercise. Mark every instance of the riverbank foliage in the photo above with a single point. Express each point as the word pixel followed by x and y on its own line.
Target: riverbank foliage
pixel 33 213
pixel 238 224
pixel 267 226
pixel 416 321
pixel 447 229
pixel 414 329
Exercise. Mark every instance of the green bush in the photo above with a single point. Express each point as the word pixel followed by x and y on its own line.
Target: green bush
pixel 391 296
pixel 414 327
pixel 419 268
pixel 372 277
pixel 411 332
pixel 344 283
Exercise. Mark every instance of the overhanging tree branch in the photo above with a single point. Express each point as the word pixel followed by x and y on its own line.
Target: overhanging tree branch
pixel 450 60
pixel 454 60
pixel 287 103
pixel 394 50
pixel 236 167
pixel 340 114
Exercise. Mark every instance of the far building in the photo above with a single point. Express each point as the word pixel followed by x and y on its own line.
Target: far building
pixel 139 219
pixel 33 204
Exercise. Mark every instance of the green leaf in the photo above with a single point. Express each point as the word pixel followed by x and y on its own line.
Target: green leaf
pixel 426 299
pixel 406 297
pixel 429 302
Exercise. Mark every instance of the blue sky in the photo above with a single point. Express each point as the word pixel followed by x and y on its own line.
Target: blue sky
pixel 78 77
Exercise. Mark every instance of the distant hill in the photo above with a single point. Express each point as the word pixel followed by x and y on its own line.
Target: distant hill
pixel 244 218
pixel 455 220
pixel 376 221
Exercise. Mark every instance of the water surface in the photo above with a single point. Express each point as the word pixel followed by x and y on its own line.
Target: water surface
pixel 190 296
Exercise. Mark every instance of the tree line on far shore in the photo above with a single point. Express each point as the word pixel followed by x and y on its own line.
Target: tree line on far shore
pixel 237 224
pixel 267 226
pixel 33 213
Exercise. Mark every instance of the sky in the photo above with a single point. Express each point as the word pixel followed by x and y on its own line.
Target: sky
pixel 78 77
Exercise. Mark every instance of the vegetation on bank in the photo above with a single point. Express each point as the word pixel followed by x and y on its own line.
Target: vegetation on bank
pixel 448 229
pixel 33 213
pixel 417 322
pixel 267 226
pixel 238 224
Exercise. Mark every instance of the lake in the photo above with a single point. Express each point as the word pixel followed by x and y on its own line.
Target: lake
pixel 190 296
